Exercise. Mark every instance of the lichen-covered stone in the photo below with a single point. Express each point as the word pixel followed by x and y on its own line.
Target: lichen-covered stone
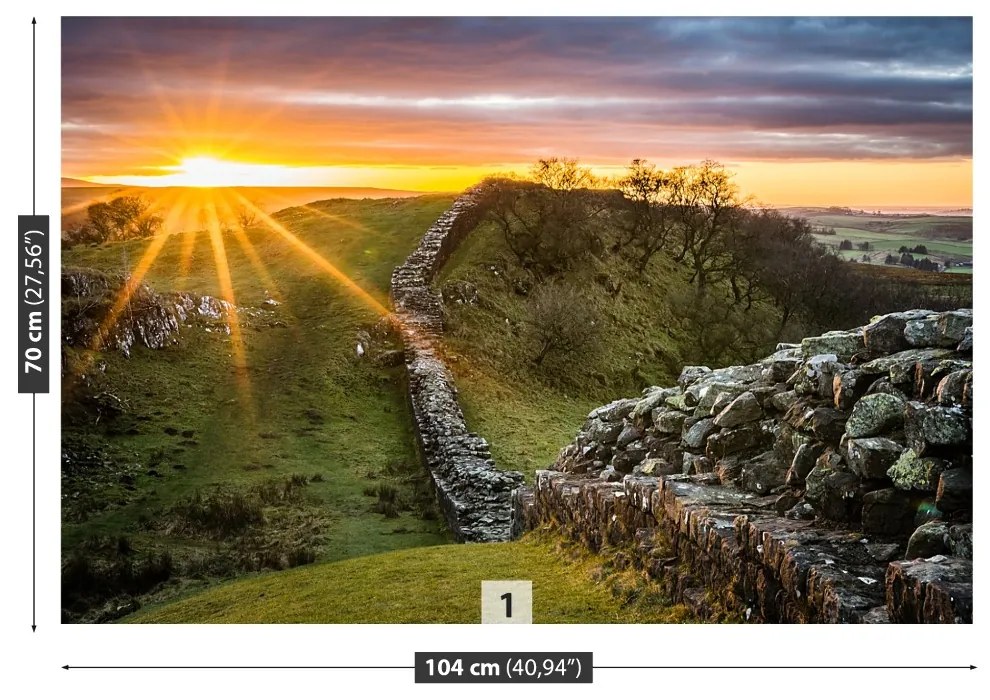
pixel 843 345
pixel 928 540
pixel 918 473
pixel 630 433
pixel 743 409
pixel 885 335
pixel 951 388
pixel 694 436
pixel 762 474
pixel 874 414
pixel 668 422
pixel 733 440
pixel 872 457
pixel 935 429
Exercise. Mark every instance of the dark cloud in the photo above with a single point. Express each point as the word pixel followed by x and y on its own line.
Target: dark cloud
pixel 609 88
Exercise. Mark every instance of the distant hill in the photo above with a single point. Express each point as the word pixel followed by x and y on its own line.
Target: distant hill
pixel 73 182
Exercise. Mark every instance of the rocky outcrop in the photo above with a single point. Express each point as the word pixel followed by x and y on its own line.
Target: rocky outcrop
pixel 90 317
pixel 829 482
pixel 473 493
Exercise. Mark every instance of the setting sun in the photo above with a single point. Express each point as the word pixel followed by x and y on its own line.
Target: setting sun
pixel 208 171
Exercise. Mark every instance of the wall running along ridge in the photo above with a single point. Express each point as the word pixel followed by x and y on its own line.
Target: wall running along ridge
pixel 473 493
pixel 829 482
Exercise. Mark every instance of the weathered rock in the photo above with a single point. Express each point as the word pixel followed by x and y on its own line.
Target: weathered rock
pixel 783 400
pixel 731 441
pixel 728 469
pixel 887 512
pixel 918 473
pixel 961 540
pixel 842 344
pixel 601 432
pixel 642 413
pixel 695 435
pixel 723 399
pixel 630 433
pixel 668 422
pixel 954 326
pixel 899 367
pixel 804 461
pixel 885 335
pixel 849 386
pixel 923 333
pixel 872 457
pixel 743 409
pixel 615 411
pixel 928 540
pixel 939 589
pixel 708 394
pixel 762 474
pixel 655 467
pixel 624 460
pixel 824 422
pixel 849 497
pixel 955 490
pixel 682 402
pixel 695 464
pixel 951 388
pixel 692 373
pixel 966 344
pixel 874 414
pixel 935 429
pixel 835 492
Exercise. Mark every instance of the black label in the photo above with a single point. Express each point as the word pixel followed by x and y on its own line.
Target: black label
pixel 503 667
pixel 33 275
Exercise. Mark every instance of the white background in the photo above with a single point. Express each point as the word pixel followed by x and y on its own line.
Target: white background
pixel 32 662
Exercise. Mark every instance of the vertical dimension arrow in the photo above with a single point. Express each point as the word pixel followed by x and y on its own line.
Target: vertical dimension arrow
pixel 33 314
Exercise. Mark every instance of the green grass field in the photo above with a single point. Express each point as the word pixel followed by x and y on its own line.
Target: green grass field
pixel 431 585
pixel 888 234
pixel 306 405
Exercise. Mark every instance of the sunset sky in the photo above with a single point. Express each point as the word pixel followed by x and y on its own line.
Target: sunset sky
pixel 857 112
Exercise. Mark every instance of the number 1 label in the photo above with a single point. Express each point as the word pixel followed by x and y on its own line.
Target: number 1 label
pixel 507 602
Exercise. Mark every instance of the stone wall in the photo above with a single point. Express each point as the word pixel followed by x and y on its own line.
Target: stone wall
pixel 474 495
pixel 829 482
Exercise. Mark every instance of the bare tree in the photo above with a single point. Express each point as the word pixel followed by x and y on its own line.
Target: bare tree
pixel 562 322
pixel 121 219
pixel 648 217
pixel 551 220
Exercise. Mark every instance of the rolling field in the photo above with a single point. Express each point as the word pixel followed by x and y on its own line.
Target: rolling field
pixel 945 237
pixel 431 585
pixel 304 408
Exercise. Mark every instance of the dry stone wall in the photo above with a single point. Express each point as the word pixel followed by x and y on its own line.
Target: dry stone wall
pixel 474 495
pixel 829 482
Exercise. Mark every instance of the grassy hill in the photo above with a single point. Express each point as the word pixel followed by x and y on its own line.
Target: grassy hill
pixel 431 585
pixel 648 327
pixel 306 430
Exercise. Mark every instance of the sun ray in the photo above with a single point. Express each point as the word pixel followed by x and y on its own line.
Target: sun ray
pixel 242 239
pixel 227 294
pixel 79 206
pixel 131 285
pixel 316 258
pixel 337 219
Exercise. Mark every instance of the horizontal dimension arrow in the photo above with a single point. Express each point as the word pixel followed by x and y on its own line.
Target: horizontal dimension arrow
pixel 800 668
pixel 660 668
pixel 233 668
